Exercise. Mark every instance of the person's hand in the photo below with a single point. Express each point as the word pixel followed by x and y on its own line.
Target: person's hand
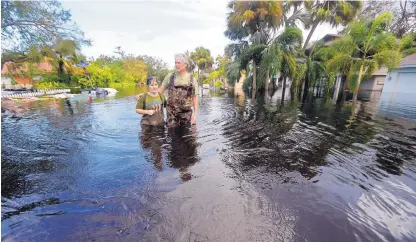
pixel 157 108
pixel 150 112
pixel 193 118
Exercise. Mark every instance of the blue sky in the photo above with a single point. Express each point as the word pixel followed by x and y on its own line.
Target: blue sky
pixel 158 28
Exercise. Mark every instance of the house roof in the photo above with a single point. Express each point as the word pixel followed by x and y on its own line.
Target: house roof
pixel 408 61
pixel 9 69
pixel 381 72
pixel 328 38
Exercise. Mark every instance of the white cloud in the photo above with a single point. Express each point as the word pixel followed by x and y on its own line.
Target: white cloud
pixel 156 28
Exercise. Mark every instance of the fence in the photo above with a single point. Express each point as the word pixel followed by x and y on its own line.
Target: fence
pixel 34 94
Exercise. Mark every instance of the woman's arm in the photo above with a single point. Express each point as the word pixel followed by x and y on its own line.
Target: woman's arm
pixel 143 111
pixel 164 83
pixel 195 113
pixel 161 89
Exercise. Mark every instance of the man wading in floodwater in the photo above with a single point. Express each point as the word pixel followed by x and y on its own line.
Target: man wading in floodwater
pixel 182 94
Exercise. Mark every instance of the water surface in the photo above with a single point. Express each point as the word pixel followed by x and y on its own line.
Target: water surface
pixel 250 170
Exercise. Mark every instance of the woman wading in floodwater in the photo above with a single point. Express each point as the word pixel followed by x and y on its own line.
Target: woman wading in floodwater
pixel 182 94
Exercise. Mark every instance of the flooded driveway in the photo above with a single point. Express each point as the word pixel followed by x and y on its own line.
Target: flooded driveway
pixel 249 171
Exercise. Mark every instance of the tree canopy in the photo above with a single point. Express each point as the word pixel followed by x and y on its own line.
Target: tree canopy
pixel 35 23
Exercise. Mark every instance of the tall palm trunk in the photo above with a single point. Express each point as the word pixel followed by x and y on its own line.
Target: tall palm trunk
pixel 293 90
pixel 344 91
pixel 266 83
pixel 354 99
pixel 336 88
pixel 300 89
pixel 60 65
pixel 305 89
pixel 310 34
pixel 254 87
pixel 284 88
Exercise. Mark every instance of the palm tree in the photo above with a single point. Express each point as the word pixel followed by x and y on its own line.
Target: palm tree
pixel 295 12
pixel 202 58
pixel 315 68
pixel 367 46
pixel 233 72
pixel 252 54
pixel 270 63
pixel 281 55
pixel 255 19
pixel 334 12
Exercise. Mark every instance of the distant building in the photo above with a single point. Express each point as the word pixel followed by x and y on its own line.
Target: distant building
pixel 11 71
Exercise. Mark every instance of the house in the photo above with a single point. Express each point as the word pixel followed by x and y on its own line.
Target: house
pixel 403 79
pixel 11 71
pixel 399 92
pixel 327 40
pixel 376 82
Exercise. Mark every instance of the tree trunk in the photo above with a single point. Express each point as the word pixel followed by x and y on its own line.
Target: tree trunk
pixel 300 89
pixel 292 90
pixel 354 99
pixel 305 89
pixel 310 34
pixel 344 91
pixel 276 84
pixel 336 88
pixel 284 88
pixel 266 83
pixel 254 86
pixel 60 66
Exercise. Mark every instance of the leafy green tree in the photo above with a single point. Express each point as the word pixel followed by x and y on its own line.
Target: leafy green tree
pixel 36 23
pixel 155 67
pixel 202 58
pixel 337 12
pixel 256 20
pixel 367 46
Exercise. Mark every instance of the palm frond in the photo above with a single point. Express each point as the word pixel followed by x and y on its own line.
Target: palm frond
pixel 358 32
pixel 299 75
pixel 233 71
pixel 388 58
pixel 288 65
pixel 407 42
pixel 344 45
pixel 340 62
pixel 270 61
pixel 382 42
pixel 409 52
pixel 379 25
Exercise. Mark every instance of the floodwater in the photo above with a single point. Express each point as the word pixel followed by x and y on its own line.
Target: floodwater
pixel 248 171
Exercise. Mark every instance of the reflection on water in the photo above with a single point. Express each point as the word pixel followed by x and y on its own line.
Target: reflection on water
pixel 181 147
pixel 250 170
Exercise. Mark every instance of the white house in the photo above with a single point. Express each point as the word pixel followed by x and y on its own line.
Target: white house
pixel 403 79
pixel 399 92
